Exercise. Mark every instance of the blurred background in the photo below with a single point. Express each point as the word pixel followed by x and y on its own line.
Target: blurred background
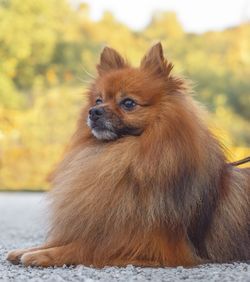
pixel 49 48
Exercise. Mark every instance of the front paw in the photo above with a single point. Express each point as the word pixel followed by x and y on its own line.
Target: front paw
pixel 15 256
pixel 38 258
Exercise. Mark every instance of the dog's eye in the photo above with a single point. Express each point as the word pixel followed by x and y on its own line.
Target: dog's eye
pixel 128 104
pixel 98 101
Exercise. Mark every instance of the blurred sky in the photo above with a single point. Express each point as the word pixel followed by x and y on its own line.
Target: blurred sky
pixel 195 15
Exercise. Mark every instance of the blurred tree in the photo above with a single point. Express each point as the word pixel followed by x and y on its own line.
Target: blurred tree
pixel 164 25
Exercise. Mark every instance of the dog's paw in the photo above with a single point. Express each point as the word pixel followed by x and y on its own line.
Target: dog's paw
pixel 15 256
pixel 37 258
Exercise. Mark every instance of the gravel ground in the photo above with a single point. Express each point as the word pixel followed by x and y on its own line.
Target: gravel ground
pixel 20 226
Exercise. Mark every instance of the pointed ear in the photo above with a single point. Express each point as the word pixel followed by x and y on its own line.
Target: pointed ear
pixel 110 59
pixel 155 62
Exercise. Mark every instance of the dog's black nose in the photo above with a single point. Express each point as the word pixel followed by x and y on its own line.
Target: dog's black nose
pixel 95 113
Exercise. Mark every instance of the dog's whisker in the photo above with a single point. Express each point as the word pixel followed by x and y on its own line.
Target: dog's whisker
pixel 89 74
pixel 83 80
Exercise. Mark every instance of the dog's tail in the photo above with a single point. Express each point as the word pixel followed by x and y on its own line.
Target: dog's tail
pixel 240 162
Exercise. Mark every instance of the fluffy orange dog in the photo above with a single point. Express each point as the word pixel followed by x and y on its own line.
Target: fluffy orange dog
pixel 144 181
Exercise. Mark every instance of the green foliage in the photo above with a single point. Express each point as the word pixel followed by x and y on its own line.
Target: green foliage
pixel 46 51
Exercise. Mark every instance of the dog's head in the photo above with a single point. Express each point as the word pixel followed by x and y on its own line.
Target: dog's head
pixel 125 100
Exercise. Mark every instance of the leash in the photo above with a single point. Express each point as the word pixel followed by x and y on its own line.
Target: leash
pixel 240 162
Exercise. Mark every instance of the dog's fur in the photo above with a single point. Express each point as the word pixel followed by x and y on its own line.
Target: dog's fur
pixel 148 187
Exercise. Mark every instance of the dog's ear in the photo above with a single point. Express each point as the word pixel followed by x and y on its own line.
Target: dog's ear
pixel 110 59
pixel 155 62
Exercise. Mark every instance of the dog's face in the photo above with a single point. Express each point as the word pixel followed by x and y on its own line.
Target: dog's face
pixel 123 100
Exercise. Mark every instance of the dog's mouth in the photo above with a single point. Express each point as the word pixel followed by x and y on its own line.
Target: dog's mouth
pixel 104 130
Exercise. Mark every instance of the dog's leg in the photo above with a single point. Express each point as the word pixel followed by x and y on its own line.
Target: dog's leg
pixel 55 256
pixel 15 255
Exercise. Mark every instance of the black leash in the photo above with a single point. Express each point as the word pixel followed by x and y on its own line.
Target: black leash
pixel 240 162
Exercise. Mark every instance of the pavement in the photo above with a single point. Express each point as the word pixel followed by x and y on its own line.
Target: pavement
pixel 22 225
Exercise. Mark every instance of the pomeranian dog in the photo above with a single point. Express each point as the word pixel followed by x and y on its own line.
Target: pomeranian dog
pixel 144 181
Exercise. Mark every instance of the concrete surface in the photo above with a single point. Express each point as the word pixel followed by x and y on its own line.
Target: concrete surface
pixel 21 226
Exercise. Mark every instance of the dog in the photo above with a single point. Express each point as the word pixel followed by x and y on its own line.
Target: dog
pixel 143 181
